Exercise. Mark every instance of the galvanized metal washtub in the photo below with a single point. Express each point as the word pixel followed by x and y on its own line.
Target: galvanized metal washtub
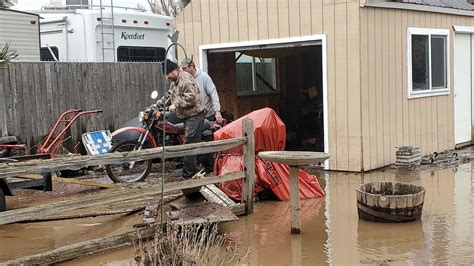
pixel 390 202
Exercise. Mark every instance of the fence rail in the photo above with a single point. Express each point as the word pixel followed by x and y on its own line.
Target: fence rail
pixel 34 94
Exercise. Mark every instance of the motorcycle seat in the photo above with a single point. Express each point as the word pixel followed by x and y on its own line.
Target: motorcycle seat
pixel 180 128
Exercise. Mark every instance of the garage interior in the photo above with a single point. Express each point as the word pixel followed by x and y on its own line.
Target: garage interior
pixel 285 77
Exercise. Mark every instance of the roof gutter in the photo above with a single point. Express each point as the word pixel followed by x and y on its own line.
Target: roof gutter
pixel 415 7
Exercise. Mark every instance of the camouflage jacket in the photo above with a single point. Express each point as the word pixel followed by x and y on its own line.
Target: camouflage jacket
pixel 185 96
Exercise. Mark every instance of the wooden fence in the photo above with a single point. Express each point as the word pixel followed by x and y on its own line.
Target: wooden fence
pixel 33 95
pixel 77 162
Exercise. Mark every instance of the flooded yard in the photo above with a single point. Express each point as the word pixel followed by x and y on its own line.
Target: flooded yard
pixel 332 233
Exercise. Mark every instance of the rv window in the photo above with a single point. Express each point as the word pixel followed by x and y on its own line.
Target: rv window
pixel 140 54
pixel 45 54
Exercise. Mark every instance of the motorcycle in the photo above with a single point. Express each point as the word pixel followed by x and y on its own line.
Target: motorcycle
pixel 146 131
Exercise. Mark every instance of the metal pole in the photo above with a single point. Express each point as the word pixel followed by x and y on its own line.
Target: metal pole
pixel 176 44
pixel 113 29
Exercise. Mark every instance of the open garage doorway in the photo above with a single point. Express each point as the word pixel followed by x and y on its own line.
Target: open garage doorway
pixel 287 75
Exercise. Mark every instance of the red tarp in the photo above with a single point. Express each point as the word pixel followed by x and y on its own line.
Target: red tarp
pixel 270 135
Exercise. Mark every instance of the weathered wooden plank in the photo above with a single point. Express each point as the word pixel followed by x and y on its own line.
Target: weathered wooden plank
pixel 71 181
pixel 105 96
pixel 33 101
pixel 116 95
pixel 18 99
pixel 79 162
pixel 45 121
pixel 35 96
pixel 55 86
pixel 48 89
pixel 55 208
pixel 213 194
pixel 9 100
pixel 78 91
pixel 4 91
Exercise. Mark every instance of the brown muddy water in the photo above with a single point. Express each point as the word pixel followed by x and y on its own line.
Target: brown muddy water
pixel 331 230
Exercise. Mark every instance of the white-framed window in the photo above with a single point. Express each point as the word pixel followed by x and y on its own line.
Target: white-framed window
pixel 255 75
pixel 428 62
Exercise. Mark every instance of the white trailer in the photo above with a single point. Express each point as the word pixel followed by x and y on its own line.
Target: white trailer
pixel 21 31
pixel 103 34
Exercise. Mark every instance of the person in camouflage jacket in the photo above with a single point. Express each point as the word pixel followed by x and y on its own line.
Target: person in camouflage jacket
pixel 186 101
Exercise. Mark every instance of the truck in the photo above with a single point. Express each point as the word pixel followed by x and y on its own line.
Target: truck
pixel 97 33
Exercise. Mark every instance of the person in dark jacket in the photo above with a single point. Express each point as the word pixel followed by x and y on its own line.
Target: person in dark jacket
pixel 186 101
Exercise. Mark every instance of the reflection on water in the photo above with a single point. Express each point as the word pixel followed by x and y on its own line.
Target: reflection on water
pixel 333 233
pixel 17 240
pixel 331 230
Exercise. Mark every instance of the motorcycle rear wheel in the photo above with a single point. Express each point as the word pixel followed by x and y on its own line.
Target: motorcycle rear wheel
pixel 122 173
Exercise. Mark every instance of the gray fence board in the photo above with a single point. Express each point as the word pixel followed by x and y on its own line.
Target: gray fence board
pixel 3 101
pixel 34 95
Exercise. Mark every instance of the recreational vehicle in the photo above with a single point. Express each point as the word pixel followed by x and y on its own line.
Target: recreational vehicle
pixel 20 30
pixel 103 34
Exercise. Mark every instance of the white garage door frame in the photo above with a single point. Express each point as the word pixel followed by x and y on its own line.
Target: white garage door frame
pixel 462 128
pixel 293 41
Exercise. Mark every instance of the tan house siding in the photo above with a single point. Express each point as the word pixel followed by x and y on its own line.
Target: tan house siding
pixel 223 21
pixel 389 118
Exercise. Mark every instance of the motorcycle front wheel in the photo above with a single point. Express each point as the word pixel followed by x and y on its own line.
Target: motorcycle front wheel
pixel 129 172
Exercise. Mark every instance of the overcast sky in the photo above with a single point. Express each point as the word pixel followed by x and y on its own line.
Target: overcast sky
pixel 37 4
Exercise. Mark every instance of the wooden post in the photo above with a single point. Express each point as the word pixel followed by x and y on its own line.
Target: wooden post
pixel 3 204
pixel 48 182
pixel 249 165
pixel 295 200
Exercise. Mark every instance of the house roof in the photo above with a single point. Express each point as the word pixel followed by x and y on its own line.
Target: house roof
pixel 453 7
pixel 18 11
pixel 456 4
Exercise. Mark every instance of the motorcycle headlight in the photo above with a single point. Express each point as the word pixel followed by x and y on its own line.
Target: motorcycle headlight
pixel 141 116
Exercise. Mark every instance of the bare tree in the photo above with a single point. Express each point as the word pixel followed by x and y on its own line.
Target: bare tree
pixel 167 7
pixel 140 6
pixel 5 4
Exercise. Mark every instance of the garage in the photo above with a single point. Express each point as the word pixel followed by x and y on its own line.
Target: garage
pixel 285 74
